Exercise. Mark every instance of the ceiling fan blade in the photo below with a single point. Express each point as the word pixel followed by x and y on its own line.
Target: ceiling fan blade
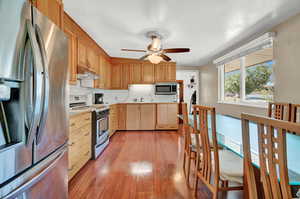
pixel 176 50
pixel 132 50
pixel 165 57
pixel 144 57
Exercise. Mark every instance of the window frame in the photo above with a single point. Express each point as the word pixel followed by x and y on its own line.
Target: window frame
pixel 242 101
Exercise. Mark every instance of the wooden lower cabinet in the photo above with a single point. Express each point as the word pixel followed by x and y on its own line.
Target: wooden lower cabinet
pixel 80 141
pixel 133 117
pixel 148 116
pixel 167 116
pixel 113 119
pixel 145 116
pixel 122 115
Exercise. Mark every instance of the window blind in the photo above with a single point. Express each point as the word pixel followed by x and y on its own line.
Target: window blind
pixel 265 41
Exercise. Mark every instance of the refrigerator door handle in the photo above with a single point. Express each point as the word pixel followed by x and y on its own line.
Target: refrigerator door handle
pixel 45 104
pixel 37 93
pixel 36 178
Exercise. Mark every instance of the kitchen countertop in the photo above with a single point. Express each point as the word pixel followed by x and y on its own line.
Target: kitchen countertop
pixel 86 110
pixel 146 103
pixel 92 107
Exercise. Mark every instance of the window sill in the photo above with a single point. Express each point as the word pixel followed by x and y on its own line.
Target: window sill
pixel 264 106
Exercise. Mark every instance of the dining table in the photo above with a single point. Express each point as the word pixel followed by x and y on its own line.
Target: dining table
pixel 229 136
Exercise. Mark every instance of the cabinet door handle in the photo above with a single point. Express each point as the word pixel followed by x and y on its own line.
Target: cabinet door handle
pixel 73 124
pixel 86 153
pixel 87 119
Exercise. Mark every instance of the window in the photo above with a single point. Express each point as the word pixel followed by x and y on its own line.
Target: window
pixel 248 79
pixel 232 81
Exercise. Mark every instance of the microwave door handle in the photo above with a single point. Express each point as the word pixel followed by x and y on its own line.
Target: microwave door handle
pixel 45 105
pixel 37 81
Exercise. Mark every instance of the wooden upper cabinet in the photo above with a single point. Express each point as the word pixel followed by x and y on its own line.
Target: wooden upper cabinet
pixel 92 59
pixel 171 72
pixel 140 72
pixel 100 83
pixel 82 54
pixel 116 76
pixel 72 54
pixel 133 116
pixel 165 72
pixel 148 116
pixel 126 77
pixel 107 80
pixel 104 73
pixel 160 70
pixel 136 73
pixel 148 73
pixel 53 9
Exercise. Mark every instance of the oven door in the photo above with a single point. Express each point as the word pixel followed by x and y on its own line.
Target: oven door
pixel 102 128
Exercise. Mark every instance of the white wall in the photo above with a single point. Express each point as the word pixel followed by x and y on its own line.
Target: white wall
pixel 286 72
pixel 145 91
pixel 186 75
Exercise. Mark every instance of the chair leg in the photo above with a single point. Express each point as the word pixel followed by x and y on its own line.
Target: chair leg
pixel 216 194
pixel 184 160
pixel 188 171
pixel 196 185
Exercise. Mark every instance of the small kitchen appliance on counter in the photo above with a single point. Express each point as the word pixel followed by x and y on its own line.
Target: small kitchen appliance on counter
pixel 98 98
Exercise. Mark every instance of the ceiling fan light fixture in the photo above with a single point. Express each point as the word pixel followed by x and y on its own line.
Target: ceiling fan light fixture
pixel 156 44
pixel 155 59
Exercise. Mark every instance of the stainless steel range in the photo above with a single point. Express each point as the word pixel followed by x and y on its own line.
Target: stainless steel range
pixel 100 131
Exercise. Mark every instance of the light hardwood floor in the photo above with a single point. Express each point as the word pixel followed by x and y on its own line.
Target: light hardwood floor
pixel 137 165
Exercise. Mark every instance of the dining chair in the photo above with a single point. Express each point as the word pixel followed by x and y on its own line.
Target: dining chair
pixel 189 143
pixel 215 167
pixel 295 113
pixel 279 111
pixel 272 156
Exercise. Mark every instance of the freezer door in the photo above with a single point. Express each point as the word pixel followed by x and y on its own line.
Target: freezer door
pixel 53 128
pixel 13 14
pixel 21 113
pixel 47 180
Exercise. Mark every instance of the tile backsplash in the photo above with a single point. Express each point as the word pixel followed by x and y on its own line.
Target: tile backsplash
pixel 135 91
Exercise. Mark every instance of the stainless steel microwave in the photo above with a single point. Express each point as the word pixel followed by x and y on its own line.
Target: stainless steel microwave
pixel 166 89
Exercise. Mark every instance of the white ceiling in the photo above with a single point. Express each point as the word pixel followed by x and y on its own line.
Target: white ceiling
pixel 208 27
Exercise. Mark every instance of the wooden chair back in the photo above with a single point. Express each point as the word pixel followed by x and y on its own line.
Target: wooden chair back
pixel 205 128
pixel 279 111
pixel 295 113
pixel 186 127
pixel 272 156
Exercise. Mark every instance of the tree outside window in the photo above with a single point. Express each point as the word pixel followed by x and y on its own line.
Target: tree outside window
pixel 258 78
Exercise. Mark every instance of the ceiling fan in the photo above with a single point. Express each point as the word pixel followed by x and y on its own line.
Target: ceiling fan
pixel 155 53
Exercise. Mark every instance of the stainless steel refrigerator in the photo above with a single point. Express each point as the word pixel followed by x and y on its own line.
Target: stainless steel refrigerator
pixel 33 104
